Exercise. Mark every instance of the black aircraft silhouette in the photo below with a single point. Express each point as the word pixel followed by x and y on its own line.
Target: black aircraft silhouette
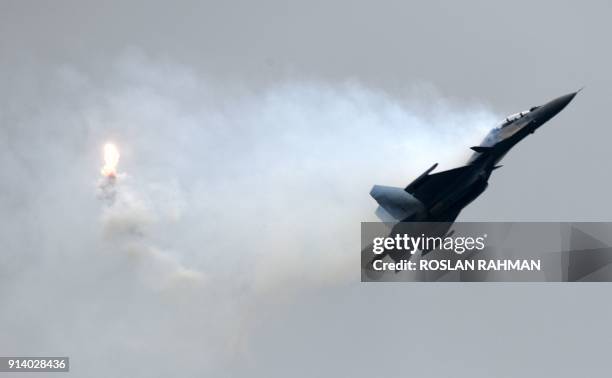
pixel 434 200
pixel 440 197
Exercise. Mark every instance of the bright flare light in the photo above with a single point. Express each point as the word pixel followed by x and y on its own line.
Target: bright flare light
pixel 111 158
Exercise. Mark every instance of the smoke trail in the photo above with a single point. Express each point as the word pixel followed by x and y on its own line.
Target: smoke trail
pixel 234 197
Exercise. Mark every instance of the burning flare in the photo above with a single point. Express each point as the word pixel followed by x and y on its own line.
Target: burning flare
pixel 111 158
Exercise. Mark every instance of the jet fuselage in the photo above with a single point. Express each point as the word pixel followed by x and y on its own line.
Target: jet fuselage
pixel 441 196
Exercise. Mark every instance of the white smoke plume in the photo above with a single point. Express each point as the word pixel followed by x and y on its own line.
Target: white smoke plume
pixel 233 197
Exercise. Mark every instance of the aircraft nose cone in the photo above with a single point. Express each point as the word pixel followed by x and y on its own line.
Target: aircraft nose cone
pixel 552 108
pixel 564 100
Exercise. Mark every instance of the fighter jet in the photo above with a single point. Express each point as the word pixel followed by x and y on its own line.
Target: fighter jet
pixel 440 197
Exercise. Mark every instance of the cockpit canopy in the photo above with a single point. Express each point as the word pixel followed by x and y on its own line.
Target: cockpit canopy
pixel 513 117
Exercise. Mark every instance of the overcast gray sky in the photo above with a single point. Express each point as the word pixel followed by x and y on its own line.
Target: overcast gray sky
pixel 501 57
